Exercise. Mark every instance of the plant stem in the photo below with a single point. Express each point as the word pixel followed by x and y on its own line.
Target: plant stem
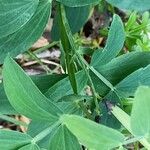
pixel 91 83
pixel 39 61
pixel 104 80
pixel 46 47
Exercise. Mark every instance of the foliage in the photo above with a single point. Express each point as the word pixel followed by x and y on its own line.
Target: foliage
pixel 62 115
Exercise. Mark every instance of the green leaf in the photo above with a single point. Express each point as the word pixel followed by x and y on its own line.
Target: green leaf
pixel 70 107
pixel 78 3
pixel 139 5
pixel 43 82
pixel 30 147
pixel 74 18
pixel 24 96
pixel 128 86
pixel 119 68
pixel 68 46
pixel 63 139
pixel 91 134
pixel 13 140
pixel 23 38
pixel 63 87
pixel 5 107
pixel 115 42
pixel 125 119
pixel 14 14
pixel 32 131
pixel 140 120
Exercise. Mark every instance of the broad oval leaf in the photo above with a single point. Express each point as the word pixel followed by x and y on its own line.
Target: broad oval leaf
pixel 114 44
pixel 23 39
pixel 13 140
pixel 78 3
pixel 140 116
pixel 24 96
pixel 139 5
pixel 14 14
pixel 91 134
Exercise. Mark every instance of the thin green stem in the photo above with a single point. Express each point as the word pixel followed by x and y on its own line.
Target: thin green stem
pixel 46 47
pixel 103 79
pixel 68 46
pixel 91 83
pixel 39 61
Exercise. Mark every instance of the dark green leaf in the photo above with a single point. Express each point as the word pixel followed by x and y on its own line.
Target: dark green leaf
pixel 75 20
pixel 23 39
pixel 5 107
pixel 78 3
pixel 119 68
pixel 128 86
pixel 14 14
pixel 115 42
pixel 44 82
pixel 10 140
pixel 63 87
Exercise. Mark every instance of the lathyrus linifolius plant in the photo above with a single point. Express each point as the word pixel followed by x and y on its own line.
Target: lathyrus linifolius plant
pixel 62 116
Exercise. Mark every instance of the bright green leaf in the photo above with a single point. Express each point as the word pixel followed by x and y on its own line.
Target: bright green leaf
pixel 30 147
pixel 43 82
pixel 91 134
pixel 140 116
pixel 24 96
